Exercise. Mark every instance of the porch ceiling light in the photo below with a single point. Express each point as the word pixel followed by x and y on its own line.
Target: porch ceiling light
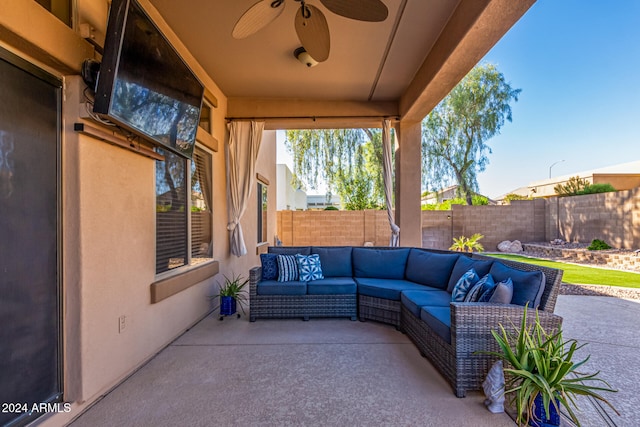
pixel 303 56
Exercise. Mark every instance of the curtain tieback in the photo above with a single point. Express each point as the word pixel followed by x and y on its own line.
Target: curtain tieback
pixel 395 229
pixel 232 225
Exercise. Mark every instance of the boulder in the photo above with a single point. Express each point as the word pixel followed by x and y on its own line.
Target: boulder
pixel 510 247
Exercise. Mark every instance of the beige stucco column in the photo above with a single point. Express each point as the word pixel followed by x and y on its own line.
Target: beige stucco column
pixel 408 180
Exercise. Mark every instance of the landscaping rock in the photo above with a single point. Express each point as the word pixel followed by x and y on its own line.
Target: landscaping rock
pixel 510 247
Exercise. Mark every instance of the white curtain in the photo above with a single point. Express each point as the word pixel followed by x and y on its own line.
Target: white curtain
pixel 388 180
pixel 241 154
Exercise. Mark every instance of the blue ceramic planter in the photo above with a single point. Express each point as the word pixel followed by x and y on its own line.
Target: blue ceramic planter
pixel 540 416
pixel 227 306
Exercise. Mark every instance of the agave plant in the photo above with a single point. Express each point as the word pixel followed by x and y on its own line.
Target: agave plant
pixel 467 244
pixel 542 363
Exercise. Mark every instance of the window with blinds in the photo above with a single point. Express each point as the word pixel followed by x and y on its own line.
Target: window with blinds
pixel 183 224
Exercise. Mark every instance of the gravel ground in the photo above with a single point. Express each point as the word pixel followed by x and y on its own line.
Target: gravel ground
pixel 598 290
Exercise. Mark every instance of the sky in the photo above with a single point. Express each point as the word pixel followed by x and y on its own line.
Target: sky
pixel 578 65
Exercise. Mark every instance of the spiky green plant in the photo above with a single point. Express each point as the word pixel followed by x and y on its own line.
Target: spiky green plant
pixel 467 244
pixel 234 287
pixel 541 363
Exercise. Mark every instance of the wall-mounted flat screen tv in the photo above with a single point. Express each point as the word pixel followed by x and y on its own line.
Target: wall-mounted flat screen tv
pixel 143 85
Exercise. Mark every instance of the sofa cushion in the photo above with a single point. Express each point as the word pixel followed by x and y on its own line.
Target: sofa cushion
pixel 479 288
pixel 439 320
pixel 336 261
pixel 385 288
pixel 269 264
pixel 487 290
pixel 503 292
pixel 287 268
pixel 464 285
pixel 332 286
pixel 430 269
pixel 289 250
pixel 463 264
pixel 309 267
pixel 528 286
pixel 273 287
pixel 380 263
pixel 415 300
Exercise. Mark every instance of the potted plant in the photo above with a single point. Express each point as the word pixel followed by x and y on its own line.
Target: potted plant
pixel 541 374
pixel 232 294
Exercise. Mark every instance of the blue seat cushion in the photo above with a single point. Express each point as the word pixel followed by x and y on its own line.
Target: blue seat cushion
pixel 430 269
pixel 336 261
pixel 528 286
pixel 290 250
pixel 380 263
pixel 332 286
pixel 273 287
pixel 463 264
pixel 439 320
pixel 385 288
pixel 415 300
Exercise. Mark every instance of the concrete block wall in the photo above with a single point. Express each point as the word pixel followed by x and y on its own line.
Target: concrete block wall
pixel 612 217
pixel 333 228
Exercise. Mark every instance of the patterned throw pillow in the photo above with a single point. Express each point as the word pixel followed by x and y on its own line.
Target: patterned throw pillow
pixel 464 284
pixel 287 268
pixel 483 284
pixel 269 266
pixel 309 267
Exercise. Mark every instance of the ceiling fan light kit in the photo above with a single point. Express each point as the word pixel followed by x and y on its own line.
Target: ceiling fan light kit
pixel 303 56
pixel 310 24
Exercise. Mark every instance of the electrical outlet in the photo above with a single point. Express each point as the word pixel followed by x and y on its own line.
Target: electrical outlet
pixel 122 323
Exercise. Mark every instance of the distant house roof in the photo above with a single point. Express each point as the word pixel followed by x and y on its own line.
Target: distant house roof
pixel 623 176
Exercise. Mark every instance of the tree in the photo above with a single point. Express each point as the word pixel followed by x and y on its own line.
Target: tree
pixel 348 161
pixel 454 134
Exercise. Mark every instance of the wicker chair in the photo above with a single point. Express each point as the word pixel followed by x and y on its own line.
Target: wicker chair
pixel 462 362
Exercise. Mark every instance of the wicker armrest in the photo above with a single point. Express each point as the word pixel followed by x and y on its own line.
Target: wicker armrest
pixel 477 318
pixel 255 275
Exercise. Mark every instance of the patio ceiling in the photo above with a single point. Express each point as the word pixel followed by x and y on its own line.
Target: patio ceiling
pixel 400 67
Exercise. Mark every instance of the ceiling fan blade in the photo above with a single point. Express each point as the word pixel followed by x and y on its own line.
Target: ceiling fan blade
pixel 257 17
pixel 313 32
pixel 361 10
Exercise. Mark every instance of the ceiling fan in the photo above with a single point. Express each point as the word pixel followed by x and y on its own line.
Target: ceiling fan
pixel 310 23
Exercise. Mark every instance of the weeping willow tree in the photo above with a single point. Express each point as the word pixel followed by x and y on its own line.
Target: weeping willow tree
pixel 347 161
pixel 454 134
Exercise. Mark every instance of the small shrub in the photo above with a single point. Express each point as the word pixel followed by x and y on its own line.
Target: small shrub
pixel 467 244
pixel 512 196
pixel 598 245
pixel 331 208
pixel 597 188
pixel 574 185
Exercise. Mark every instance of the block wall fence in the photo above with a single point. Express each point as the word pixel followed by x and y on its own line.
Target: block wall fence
pixel 613 217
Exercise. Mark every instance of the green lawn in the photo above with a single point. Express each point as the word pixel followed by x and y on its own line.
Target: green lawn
pixel 579 274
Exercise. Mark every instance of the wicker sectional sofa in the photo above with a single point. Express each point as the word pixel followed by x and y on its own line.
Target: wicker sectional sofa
pixel 410 288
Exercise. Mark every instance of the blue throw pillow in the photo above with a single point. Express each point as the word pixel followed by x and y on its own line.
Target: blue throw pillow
pixel 474 294
pixel 503 292
pixel 528 286
pixel 269 266
pixel 309 267
pixel 287 268
pixel 487 290
pixel 465 283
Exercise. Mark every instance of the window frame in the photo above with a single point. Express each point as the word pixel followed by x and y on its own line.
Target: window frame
pixel 262 186
pixel 188 265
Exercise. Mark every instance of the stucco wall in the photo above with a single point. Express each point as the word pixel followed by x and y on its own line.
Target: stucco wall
pixel 108 222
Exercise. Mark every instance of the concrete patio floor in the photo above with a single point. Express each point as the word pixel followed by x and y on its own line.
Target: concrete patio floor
pixel 336 372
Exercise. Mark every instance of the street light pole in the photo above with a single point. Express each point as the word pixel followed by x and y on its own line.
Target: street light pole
pixel 559 161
